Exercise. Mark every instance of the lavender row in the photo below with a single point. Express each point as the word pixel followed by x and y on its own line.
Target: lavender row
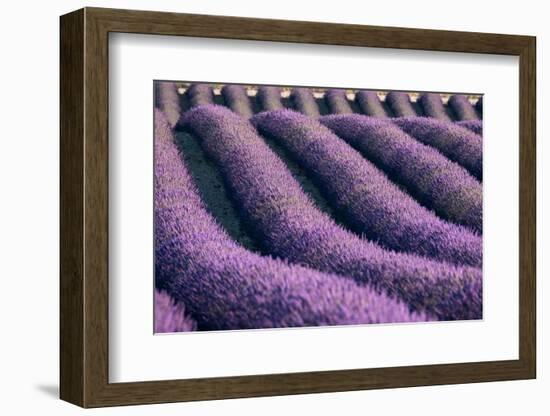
pixel 223 285
pixel 433 106
pixel 462 107
pixel 473 125
pixel 431 178
pixel 400 104
pixel 200 94
pixel 370 104
pixel 368 200
pixel 170 316
pixel 305 102
pixel 269 98
pixel 168 101
pixel 237 100
pixel 337 102
pixel 457 143
pixel 288 225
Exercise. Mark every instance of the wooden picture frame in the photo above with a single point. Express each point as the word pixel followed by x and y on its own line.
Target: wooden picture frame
pixel 84 207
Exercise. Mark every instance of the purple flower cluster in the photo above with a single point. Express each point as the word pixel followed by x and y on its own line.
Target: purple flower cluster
pixel 370 104
pixel 457 143
pixel 400 104
pixel 473 125
pixel 269 98
pixel 170 316
pixel 200 94
pixel 305 102
pixel 289 226
pixel 462 107
pixel 225 286
pixel 368 200
pixel 433 106
pixel 437 182
pixel 236 99
pixel 337 101
pixel 167 100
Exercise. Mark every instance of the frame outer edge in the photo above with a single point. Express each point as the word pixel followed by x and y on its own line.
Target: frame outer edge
pixel 84 277
pixel 71 317
pixel 528 125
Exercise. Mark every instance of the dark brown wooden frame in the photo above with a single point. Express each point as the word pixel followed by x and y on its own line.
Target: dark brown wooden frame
pixel 84 210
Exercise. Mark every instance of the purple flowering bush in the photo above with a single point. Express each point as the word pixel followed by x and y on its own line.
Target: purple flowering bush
pixel 369 201
pixel 433 106
pixel 337 101
pixel 269 98
pixel 168 101
pixel 305 102
pixel 288 225
pixel 400 104
pixel 370 104
pixel 437 182
pixel 462 107
pixel 170 316
pixel 457 143
pixel 200 94
pixel 237 100
pixel 473 125
pixel 225 286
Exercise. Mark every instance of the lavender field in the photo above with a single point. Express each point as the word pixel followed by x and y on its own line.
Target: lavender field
pixel 279 207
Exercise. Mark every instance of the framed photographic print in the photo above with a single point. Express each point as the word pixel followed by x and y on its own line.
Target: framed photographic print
pixel 256 207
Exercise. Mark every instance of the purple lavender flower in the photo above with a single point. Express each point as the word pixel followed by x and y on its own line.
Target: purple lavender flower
pixel 200 94
pixel 462 107
pixel 305 102
pixel 473 125
pixel 434 180
pixel 167 100
pixel 368 200
pixel 269 98
pixel 433 106
pixel 170 316
pixel 400 104
pixel 237 100
pixel 457 143
pixel 288 225
pixel 370 104
pixel 225 286
pixel 337 102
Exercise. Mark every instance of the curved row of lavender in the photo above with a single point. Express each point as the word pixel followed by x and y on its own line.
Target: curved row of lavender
pixel 269 98
pixel 224 286
pixel 369 201
pixel 462 107
pixel 304 101
pixel 473 125
pixel 457 143
pixel 433 106
pixel 370 104
pixel 167 100
pixel 337 101
pixel 400 104
pixel 200 94
pixel 288 225
pixel 434 180
pixel 170 316
pixel 236 99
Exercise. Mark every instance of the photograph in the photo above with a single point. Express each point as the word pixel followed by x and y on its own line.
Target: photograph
pixel 280 206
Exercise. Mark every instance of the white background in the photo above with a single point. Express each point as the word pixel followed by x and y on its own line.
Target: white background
pixel 131 210
pixel 29 217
